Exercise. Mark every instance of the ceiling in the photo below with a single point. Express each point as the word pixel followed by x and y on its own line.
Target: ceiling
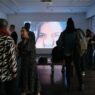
pixel 29 6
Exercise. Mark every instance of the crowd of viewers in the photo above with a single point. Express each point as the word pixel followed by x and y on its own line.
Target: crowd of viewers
pixel 18 68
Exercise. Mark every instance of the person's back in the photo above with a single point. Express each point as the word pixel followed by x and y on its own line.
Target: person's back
pixel 8 64
pixel 13 33
pixel 5 58
pixel 69 43
pixel 32 37
pixel 14 36
pixel 31 34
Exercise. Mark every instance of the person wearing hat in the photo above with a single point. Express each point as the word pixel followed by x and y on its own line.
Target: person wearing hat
pixel 8 64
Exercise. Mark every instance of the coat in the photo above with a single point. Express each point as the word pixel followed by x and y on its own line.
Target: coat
pixel 28 70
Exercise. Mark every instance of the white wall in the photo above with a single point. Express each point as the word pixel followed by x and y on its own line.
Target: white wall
pixel 18 19
pixel 93 24
pixel 2 15
pixel 91 11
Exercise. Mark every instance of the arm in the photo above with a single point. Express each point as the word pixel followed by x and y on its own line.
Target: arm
pixel 15 37
pixel 12 57
pixel 60 40
pixel 32 37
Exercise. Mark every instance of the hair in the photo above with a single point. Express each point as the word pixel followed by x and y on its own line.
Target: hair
pixel 80 30
pixel 88 30
pixel 3 23
pixel 70 25
pixel 25 28
pixel 12 26
pixel 88 33
pixel 27 25
pixel 3 27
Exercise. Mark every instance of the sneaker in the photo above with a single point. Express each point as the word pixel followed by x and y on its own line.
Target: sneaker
pixel 83 74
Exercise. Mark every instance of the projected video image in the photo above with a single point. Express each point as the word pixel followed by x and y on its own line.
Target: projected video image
pixel 47 33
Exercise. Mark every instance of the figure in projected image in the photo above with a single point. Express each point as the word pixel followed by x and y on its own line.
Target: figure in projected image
pixel 48 33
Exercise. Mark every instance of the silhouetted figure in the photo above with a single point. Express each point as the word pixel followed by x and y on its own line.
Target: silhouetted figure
pixel 13 33
pixel 42 61
pixel 70 41
pixel 31 33
pixel 57 55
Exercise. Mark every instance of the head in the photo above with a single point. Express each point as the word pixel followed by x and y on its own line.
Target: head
pixel 4 26
pixel 88 33
pixel 49 33
pixel 12 28
pixel 70 25
pixel 81 31
pixel 27 25
pixel 24 33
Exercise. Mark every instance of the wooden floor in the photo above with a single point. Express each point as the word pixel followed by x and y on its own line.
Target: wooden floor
pixel 58 88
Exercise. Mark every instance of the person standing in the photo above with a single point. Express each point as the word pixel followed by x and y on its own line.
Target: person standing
pixel 31 33
pixel 28 71
pixel 13 33
pixel 8 64
pixel 70 42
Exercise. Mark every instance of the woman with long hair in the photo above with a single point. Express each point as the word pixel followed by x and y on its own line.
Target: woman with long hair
pixel 28 71
pixel 70 42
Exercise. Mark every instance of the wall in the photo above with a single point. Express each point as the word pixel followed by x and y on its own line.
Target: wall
pixel 93 24
pixel 18 19
pixel 2 15
pixel 91 11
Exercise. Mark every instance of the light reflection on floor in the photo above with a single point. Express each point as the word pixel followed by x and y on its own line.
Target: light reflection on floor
pixel 44 72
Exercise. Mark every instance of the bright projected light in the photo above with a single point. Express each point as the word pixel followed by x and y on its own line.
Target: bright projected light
pixel 47 33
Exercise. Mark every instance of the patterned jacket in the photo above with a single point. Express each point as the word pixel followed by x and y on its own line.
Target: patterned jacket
pixel 8 64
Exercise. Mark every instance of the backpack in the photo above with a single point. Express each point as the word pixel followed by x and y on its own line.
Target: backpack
pixel 70 43
pixel 82 41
